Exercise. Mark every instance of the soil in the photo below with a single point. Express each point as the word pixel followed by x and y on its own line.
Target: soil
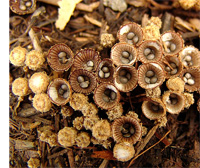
pixel 178 148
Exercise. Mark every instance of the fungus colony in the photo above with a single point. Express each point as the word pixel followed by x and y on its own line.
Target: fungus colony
pixel 133 61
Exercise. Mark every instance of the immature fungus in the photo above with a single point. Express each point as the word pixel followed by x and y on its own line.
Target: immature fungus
pixel 78 100
pixel 175 84
pixel 189 99
pixel 48 136
pixel 34 60
pixel 130 33
pixel 60 57
pixel 154 109
pixel 125 78
pixel 155 92
pixel 101 130
pixel 86 59
pixel 106 95
pixel 17 56
pixel 123 54
pixel 39 82
pixel 78 122
pixel 59 91
pixel 20 87
pixel 66 111
pixel 33 163
pixel 126 129
pixel 67 136
pixel 115 112
pixel 41 102
pixel 82 81
pixel 123 151
pixel 82 140
pixel 107 40
pixel 89 109
pixel 89 122
pixel 150 51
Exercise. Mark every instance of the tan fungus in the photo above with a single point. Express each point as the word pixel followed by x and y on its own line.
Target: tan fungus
pixel 189 99
pixel 33 163
pixel 78 100
pixel 82 139
pixel 78 122
pixel 175 84
pixel 89 122
pixel 115 112
pixel 20 87
pixel 17 56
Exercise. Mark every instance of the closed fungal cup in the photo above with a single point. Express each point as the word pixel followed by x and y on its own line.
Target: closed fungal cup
pixel 130 33
pixel 125 78
pixel 60 57
pixel 123 54
pixel 59 91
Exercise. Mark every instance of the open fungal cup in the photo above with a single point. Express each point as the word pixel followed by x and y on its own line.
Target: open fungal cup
pixel 172 66
pixel 150 51
pixel 59 91
pixel 150 75
pixel 86 59
pixel 172 42
pixel 82 81
pixel 130 33
pixel 153 109
pixel 174 101
pixel 106 95
pixel 60 57
pixel 126 129
pixel 190 57
pixel 125 78
pixel 22 7
pixel 105 70
pixel 123 54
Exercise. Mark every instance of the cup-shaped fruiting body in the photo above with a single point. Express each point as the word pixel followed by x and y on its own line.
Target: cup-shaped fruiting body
pixel 22 7
pixel 78 100
pixel 126 129
pixel 123 151
pixel 67 136
pixel 41 102
pixel 115 112
pixel 87 59
pixel 17 56
pixel 172 42
pixel 150 75
pixel 175 84
pixel 78 122
pixel 33 163
pixel 130 33
pixel 125 78
pixel 82 140
pixel 174 101
pixel 89 122
pixel 150 51
pixel 190 57
pixel 191 77
pixel 106 96
pixel 20 87
pixel 101 130
pixel 123 54
pixel 59 91
pixel 105 70
pixel 153 109
pixel 172 66
pixel 82 81
pixel 34 60
pixel 39 82
pixel 60 57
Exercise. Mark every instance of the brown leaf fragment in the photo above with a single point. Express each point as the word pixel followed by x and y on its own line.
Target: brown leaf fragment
pixel 31 154
pixel 23 144
pixel 106 154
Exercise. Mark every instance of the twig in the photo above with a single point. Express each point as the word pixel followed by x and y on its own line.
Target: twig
pixel 148 149
pixel 71 158
pixel 58 154
pixel 35 40
pixel 160 6
pixel 104 163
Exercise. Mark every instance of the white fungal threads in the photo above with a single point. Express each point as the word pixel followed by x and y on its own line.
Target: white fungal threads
pixel 83 81
pixel 104 72
pixel 124 76
pixel 188 79
pixel 150 77
pixel 109 95
pixel 126 57
pixel 173 69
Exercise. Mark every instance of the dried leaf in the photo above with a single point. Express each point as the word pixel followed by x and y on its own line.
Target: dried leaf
pixel 106 154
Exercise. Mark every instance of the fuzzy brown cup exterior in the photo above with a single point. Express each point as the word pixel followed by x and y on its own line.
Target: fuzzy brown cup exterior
pixel 174 101
pixel 105 70
pixel 130 33
pixel 172 66
pixel 86 59
pixel 154 109
pixel 106 96
pixel 150 51
pixel 119 130
pixel 20 7
pixel 191 77
pixel 82 81
pixel 157 72
pixel 59 91
pixel 60 57
pixel 125 78
pixel 172 42
pixel 123 54
pixel 190 57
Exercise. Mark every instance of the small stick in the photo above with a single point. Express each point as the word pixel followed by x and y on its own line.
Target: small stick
pixel 71 158
pixel 148 149
pixel 160 6
pixel 62 152
pixel 104 163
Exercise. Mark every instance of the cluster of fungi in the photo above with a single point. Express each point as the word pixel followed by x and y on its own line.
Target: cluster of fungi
pixel 134 62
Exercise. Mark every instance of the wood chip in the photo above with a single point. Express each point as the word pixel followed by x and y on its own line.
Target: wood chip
pixel 87 8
